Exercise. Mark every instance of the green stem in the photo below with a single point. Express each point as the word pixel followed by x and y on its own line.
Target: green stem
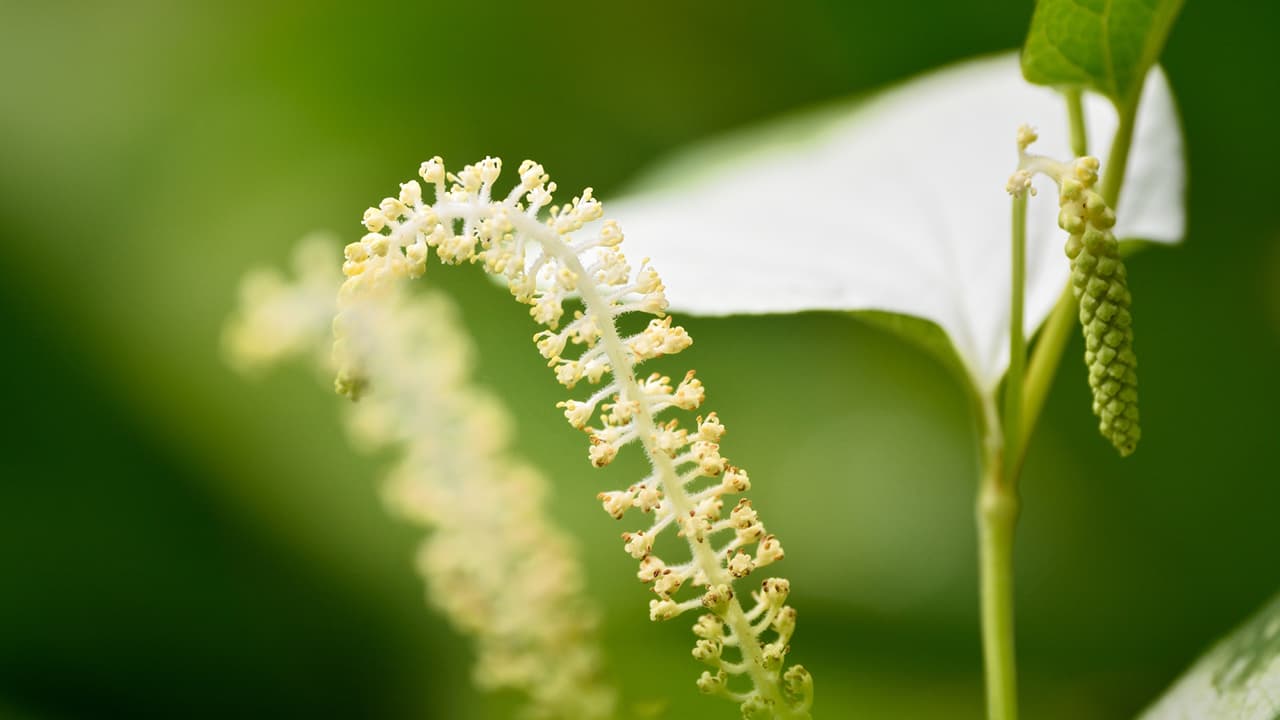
pixel 1040 372
pixel 1118 162
pixel 1118 159
pixel 1075 114
pixel 997 511
pixel 1017 340
pixel 997 508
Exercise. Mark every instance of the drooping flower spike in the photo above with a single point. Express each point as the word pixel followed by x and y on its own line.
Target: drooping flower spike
pixel 1099 282
pixel 551 254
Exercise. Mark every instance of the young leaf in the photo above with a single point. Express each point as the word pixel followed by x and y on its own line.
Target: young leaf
pixel 896 204
pixel 1106 45
pixel 1238 679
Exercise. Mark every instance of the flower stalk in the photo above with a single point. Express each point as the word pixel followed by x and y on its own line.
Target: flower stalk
pixel 997 515
pixel 997 506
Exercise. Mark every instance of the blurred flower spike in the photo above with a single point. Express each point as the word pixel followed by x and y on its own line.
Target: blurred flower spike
pixel 494 562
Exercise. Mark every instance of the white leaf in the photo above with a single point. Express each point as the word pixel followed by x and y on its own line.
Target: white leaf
pixel 898 205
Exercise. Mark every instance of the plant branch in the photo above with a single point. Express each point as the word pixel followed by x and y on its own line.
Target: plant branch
pixel 1075 114
pixel 1017 339
pixel 1118 159
pixel 997 507
pixel 1040 371
pixel 997 514
pixel 1024 401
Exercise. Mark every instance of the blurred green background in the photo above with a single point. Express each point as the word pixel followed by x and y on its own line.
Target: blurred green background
pixel 178 541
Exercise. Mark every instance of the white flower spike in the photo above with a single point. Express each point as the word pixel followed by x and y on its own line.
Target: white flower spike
pixel 550 254
pixel 897 206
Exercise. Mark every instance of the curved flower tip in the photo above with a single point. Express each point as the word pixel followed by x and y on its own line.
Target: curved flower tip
pixel 897 205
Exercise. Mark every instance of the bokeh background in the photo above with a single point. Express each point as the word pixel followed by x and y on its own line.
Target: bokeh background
pixel 179 541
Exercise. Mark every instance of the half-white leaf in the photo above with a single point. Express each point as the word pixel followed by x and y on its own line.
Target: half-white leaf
pixel 894 204
pixel 1238 679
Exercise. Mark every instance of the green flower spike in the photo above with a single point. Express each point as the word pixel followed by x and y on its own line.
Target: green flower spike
pixel 1099 282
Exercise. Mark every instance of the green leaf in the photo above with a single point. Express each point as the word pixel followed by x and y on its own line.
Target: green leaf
pixel 1105 45
pixel 1238 679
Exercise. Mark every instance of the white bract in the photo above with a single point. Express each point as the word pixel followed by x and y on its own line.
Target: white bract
pixel 897 205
